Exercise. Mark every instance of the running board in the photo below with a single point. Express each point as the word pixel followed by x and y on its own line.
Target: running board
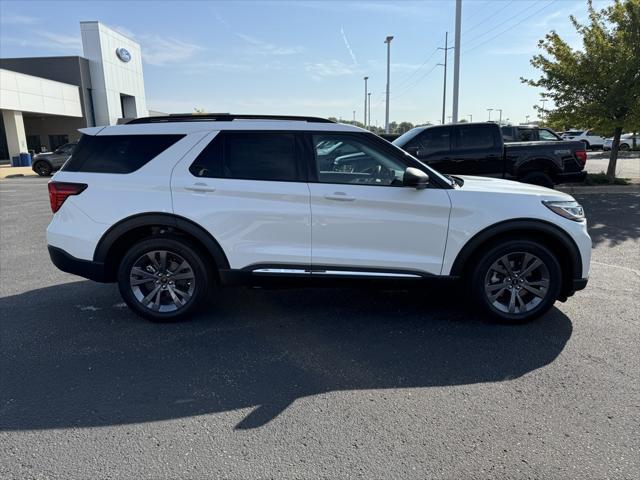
pixel 336 273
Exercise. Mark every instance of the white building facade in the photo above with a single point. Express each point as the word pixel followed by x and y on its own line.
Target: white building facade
pixel 45 100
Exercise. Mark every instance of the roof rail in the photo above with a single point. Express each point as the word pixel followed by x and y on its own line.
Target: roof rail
pixel 221 117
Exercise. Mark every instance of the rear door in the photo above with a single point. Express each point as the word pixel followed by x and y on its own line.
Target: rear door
pixel 365 222
pixel 248 189
pixel 477 150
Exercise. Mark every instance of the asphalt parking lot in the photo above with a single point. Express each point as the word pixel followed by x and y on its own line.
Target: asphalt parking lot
pixel 326 383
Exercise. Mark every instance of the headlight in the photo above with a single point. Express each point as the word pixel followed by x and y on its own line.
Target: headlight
pixel 571 209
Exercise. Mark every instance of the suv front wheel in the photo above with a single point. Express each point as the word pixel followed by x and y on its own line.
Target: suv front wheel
pixel 163 279
pixel 516 281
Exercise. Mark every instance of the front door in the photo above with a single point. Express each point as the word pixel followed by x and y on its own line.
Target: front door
pixel 363 218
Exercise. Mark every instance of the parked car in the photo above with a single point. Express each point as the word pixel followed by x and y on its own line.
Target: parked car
pixel 173 207
pixel 528 133
pixel 626 142
pixel 478 149
pixel 588 137
pixel 44 164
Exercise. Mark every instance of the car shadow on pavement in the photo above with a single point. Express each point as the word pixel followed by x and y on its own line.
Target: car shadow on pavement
pixel 73 356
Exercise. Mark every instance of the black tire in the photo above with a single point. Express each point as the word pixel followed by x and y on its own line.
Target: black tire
pixel 177 250
pixel 43 169
pixel 624 147
pixel 538 178
pixel 480 285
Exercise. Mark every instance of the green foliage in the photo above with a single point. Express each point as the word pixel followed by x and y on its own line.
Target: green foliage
pixel 599 86
pixel 602 179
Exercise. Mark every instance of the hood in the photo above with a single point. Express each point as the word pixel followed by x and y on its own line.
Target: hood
pixel 499 185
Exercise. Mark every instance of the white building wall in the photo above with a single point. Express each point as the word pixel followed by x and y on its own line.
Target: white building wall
pixel 110 76
pixel 26 93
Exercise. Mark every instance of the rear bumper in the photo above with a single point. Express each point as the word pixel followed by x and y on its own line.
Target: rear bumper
pixel 570 177
pixel 83 268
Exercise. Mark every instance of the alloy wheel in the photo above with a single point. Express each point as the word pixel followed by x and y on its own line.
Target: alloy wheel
pixel 162 281
pixel 517 283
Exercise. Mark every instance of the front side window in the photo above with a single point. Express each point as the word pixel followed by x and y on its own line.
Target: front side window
pixel 547 135
pixel 365 164
pixel 475 137
pixel 433 140
pixel 249 156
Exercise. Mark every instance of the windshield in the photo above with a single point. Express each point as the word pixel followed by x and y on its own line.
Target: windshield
pixel 406 137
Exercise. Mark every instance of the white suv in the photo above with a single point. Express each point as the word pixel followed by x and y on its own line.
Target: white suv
pixel 173 207
pixel 588 137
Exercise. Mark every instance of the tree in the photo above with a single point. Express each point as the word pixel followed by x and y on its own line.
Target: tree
pixel 598 86
pixel 404 127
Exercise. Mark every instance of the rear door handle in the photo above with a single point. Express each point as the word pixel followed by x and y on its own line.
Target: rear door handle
pixel 340 197
pixel 200 188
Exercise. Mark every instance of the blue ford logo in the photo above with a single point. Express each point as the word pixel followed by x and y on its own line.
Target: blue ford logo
pixel 123 54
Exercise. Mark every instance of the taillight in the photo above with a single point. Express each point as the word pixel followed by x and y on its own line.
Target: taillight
pixel 59 191
pixel 581 155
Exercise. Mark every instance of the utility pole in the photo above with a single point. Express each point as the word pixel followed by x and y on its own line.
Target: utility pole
pixel 386 115
pixel 369 110
pixel 489 110
pixel 365 102
pixel 444 88
pixel 456 61
pixel 354 116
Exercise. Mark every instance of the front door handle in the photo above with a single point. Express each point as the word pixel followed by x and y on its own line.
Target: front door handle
pixel 340 197
pixel 200 187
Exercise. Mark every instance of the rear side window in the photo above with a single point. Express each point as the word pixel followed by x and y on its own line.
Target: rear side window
pixel 432 140
pixel 117 153
pixel 249 156
pixel 474 137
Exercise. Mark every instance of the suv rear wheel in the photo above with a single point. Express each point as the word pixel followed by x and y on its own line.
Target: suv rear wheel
pixel 163 279
pixel 516 281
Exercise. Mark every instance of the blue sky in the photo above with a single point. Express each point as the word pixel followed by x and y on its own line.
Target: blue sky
pixel 309 58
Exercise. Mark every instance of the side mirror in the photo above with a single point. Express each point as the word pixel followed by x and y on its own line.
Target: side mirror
pixel 415 178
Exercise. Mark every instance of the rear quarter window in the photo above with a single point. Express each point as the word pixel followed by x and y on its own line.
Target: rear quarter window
pixel 117 153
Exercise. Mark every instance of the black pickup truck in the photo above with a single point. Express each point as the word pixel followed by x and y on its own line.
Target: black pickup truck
pixel 479 149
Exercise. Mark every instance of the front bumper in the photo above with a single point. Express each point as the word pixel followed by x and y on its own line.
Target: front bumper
pixel 70 264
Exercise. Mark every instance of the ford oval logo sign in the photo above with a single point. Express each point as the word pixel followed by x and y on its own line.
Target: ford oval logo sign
pixel 123 54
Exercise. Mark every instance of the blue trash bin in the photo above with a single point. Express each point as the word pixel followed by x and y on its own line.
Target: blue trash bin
pixel 15 161
pixel 25 159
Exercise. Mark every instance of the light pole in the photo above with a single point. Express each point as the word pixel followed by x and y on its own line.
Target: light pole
pixel 386 113
pixel 365 102
pixel 500 120
pixel 354 116
pixel 526 119
pixel 456 61
pixel 369 110
pixel 544 114
pixel 489 110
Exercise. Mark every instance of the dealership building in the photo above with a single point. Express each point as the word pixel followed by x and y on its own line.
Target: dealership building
pixel 45 100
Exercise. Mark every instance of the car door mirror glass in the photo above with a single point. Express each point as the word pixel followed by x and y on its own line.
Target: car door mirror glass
pixel 415 178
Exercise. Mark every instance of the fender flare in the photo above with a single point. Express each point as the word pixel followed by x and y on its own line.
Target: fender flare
pixel 160 219
pixel 509 226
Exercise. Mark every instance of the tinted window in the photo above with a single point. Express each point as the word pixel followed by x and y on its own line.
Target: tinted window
pixel 525 134
pixel 433 140
pixel 117 153
pixel 475 137
pixel 364 164
pixel 249 156
pixel 547 135
pixel 507 134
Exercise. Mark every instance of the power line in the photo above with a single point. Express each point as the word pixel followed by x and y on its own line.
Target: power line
pixel 493 14
pixel 414 84
pixel 503 22
pixel 511 27
pixel 406 79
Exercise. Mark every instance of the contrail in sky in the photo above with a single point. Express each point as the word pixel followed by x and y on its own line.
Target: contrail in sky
pixel 346 44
